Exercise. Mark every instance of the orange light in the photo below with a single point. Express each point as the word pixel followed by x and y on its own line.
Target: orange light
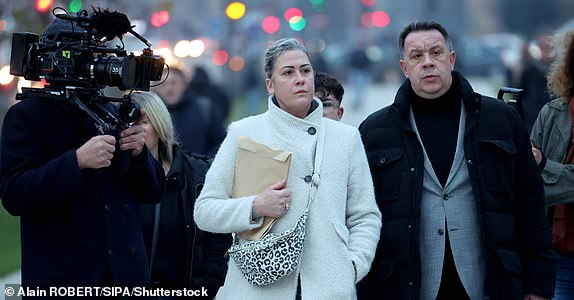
pixel 43 5
pixel 236 63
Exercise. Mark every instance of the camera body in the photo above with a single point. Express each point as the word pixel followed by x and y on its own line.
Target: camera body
pixel 77 56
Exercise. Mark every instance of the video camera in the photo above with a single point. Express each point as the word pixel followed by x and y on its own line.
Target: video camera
pixel 72 57
pixel 73 53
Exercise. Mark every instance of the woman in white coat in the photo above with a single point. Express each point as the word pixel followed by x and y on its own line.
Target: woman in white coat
pixel 344 222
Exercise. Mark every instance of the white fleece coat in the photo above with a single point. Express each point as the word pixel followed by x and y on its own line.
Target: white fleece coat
pixel 344 221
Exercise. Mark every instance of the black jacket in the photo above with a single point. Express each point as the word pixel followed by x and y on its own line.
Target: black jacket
pixel 78 227
pixel 506 185
pixel 185 257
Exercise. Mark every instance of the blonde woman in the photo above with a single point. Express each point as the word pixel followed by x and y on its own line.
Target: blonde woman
pixel 181 256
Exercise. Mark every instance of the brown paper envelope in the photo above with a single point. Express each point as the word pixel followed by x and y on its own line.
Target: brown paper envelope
pixel 258 166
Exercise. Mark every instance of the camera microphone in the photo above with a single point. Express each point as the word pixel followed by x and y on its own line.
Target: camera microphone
pixel 107 23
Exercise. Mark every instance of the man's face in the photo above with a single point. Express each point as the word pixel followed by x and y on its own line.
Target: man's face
pixel 428 63
pixel 331 107
pixel 171 91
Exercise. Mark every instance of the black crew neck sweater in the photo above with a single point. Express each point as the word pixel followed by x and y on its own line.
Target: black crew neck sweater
pixel 437 122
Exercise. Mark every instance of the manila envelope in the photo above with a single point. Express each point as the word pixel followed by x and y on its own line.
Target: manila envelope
pixel 258 166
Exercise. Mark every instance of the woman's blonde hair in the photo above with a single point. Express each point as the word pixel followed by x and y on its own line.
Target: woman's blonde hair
pixel 561 73
pixel 159 118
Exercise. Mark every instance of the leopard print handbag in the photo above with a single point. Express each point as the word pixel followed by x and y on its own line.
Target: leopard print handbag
pixel 277 255
pixel 272 257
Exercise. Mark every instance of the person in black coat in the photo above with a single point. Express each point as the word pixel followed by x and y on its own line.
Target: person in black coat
pixel 79 216
pixel 461 195
pixel 533 81
pixel 181 255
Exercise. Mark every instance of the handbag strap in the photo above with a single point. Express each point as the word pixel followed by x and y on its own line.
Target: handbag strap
pixel 316 177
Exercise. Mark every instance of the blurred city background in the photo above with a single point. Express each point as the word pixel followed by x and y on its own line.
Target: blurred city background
pixel 494 40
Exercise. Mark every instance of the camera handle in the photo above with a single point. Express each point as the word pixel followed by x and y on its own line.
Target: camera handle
pixel 129 113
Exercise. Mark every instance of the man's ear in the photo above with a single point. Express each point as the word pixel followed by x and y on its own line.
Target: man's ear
pixel 404 68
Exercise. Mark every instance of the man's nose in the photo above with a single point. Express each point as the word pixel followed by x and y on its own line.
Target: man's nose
pixel 427 60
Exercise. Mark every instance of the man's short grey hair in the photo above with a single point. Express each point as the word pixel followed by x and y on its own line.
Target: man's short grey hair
pixel 277 49
pixel 423 26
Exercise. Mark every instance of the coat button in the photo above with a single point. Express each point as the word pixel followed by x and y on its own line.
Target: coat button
pixel 308 178
pixel 110 252
pixel 409 226
pixel 312 130
pixel 412 169
pixel 445 197
pixel 126 207
pixel 106 207
pixel 440 231
pixel 382 160
pixel 469 161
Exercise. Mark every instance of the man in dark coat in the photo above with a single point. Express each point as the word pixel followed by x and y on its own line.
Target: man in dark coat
pixel 458 187
pixel 77 204
pixel 78 216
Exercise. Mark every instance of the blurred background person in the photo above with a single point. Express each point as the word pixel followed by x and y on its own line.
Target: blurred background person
pixel 533 78
pixel 330 91
pixel 180 255
pixel 213 99
pixel 253 88
pixel 553 147
pixel 199 129
pixel 359 76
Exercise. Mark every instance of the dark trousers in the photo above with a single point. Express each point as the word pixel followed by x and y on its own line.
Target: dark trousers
pixel 450 285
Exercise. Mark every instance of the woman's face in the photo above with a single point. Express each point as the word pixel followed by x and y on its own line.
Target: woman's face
pixel 151 136
pixel 292 82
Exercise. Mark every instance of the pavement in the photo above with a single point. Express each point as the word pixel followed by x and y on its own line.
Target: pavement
pixel 13 278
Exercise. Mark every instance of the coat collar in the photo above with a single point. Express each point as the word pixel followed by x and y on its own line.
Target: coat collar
pixel 313 118
pixel 405 94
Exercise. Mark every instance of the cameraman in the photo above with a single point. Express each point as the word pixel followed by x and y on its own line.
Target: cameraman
pixel 78 215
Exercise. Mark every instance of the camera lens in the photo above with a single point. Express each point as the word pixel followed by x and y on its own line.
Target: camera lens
pixel 107 70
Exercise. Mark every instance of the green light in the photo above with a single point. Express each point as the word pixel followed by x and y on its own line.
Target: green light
pixel 297 23
pixel 75 6
pixel 316 2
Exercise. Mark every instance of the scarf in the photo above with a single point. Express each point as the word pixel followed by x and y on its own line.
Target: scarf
pixel 563 221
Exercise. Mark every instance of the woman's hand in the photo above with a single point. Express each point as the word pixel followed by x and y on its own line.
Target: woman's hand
pixel 274 201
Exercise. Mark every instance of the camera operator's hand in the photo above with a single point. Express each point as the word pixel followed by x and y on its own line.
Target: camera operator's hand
pixel 97 152
pixel 133 138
